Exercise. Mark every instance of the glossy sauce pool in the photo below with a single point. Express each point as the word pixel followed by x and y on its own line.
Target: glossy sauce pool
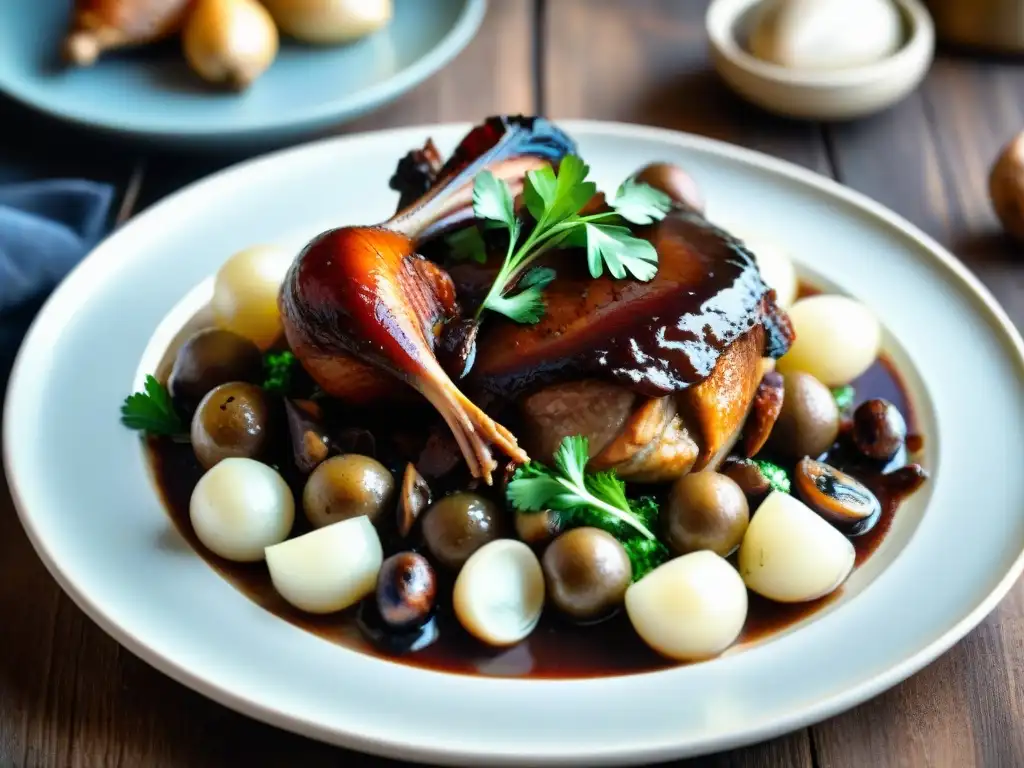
pixel 555 649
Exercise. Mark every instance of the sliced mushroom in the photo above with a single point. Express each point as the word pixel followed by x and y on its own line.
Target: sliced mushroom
pixel 764 412
pixel 839 498
pixel 310 442
pixel 356 440
pixel 413 499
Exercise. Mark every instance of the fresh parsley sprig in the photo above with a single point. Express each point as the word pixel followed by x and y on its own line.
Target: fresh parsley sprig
pixel 554 202
pixel 596 499
pixel 152 411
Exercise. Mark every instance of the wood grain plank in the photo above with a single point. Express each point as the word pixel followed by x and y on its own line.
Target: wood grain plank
pixel 650 65
pixel 69 695
pixel 928 159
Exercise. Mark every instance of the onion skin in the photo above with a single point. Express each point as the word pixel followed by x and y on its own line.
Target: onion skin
pixel 230 42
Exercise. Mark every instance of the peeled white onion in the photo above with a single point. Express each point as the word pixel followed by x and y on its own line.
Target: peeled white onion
pixel 692 607
pixel 328 569
pixel 776 269
pixel 789 554
pixel 837 339
pixel 245 293
pixel 330 21
pixel 239 507
pixel 499 593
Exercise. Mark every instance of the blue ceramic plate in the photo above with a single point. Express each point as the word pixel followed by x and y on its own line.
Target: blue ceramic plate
pixel 154 94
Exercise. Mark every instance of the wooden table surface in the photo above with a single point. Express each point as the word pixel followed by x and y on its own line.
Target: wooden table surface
pixel 69 695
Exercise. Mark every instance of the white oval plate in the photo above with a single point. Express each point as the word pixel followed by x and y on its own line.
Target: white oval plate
pixel 83 491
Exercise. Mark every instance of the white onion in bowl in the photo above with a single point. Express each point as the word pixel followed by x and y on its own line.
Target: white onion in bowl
pixel 499 593
pixel 328 569
pixel 245 293
pixel 789 554
pixel 837 339
pixel 691 608
pixel 239 507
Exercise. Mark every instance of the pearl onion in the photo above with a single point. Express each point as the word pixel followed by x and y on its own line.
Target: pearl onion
pixel 245 293
pixel 239 507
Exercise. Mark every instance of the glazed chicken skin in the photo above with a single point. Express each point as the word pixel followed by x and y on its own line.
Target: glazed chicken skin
pixel 363 312
pixel 659 375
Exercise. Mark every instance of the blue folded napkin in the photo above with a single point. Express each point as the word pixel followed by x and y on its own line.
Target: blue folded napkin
pixel 46 227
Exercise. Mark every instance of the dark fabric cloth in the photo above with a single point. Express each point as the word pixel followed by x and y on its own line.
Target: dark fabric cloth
pixel 46 227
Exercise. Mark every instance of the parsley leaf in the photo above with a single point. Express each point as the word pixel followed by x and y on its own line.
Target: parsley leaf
pixel 492 199
pixel 615 246
pixel 844 397
pixel 641 203
pixel 555 201
pixel 595 499
pixel 278 368
pixel 152 411
pixel 776 476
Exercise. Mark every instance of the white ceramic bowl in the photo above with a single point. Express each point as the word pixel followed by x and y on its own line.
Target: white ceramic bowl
pixel 827 95
pixel 84 493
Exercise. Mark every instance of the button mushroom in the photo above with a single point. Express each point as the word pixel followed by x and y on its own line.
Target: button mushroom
pixel 232 421
pixel 879 429
pixel 674 182
pixel 406 589
pixel 839 498
pixel 747 474
pixel 209 358
pixel 414 497
pixel 537 527
pixel 706 510
pixel 458 525
pixel 347 486
pixel 789 554
pixel 587 572
pixel 499 593
pixel 808 423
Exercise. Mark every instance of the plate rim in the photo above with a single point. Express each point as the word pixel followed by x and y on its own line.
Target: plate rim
pixel 800 716
pixel 335 112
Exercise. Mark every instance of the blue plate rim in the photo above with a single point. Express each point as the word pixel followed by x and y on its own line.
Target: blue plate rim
pixel 335 111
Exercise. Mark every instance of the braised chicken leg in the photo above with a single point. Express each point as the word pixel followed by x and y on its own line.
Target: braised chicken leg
pixel 360 306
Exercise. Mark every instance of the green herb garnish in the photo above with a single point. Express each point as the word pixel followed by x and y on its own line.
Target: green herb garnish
pixel 467 245
pixel 844 397
pixel 278 368
pixel 152 411
pixel 554 202
pixel 776 476
pixel 597 499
